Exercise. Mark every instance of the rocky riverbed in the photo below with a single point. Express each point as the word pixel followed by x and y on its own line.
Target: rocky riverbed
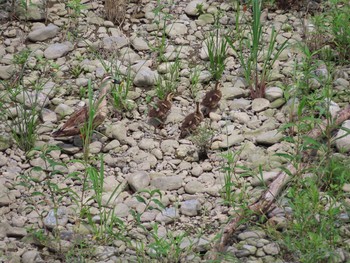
pixel 135 157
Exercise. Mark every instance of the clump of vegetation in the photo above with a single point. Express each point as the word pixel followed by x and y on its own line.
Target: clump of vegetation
pixel 257 48
pixel 202 138
pixel 217 46
pixel 22 103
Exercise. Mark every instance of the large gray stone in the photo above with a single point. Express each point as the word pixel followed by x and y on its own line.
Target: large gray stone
pixel 145 77
pixel 190 207
pixel 58 50
pixel 176 29
pixel 167 182
pixel 114 42
pixel 43 33
pixel 168 215
pixel 6 71
pixel 138 180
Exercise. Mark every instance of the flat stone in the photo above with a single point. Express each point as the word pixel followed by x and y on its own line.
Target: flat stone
pixel 205 19
pixel 4 228
pixel 95 147
pixel 167 182
pixel 16 232
pixel 252 234
pixel 269 137
pixel 110 183
pixel 58 50
pixel 260 104
pixel 273 93
pixel 230 92
pixel 343 143
pixel 145 77
pixel 117 131
pixel 31 256
pixel 43 33
pixel 192 7
pixel 111 145
pixel 50 221
pixel 194 187
pixel 147 144
pixel 6 71
pixel 169 146
pixel 48 115
pixel 190 207
pixel 138 180
pixel 3 160
pixel 176 29
pixel 232 139
pixel 121 210
pixel 5 142
pixel 69 148
pixel 140 44
pixel 271 249
pixel 266 178
pixel 114 42
pixel 168 215
pixel 64 110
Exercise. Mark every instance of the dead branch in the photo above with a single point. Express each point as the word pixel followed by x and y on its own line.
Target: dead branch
pixel 263 205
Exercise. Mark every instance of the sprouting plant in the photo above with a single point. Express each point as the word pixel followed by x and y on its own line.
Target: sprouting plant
pixel 161 43
pixel 203 139
pixel 257 80
pixel 217 51
pixel 168 82
pixel 43 189
pixel 313 233
pixel 22 103
pixel 194 80
pixel 110 226
pixel 120 97
pixel 21 57
pixel 200 9
pixel 76 71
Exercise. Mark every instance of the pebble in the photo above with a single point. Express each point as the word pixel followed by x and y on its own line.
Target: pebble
pixel 190 207
pixel 139 180
pixel 260 104
pixel 168 215
pixel 50 221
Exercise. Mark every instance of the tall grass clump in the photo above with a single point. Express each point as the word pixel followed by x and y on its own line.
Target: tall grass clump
pixel 22 102
pixel 216 45
pixel 258 48
pixel 313 232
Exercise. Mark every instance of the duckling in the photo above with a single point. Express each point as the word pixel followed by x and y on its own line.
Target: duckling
pixel 159 112
pixel 191 122
pixel 76 122
pixel 211 100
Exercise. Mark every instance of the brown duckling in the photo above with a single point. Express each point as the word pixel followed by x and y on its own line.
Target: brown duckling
pixel 158 112
pixel 211 100
pixel 191 122
pixel 76 122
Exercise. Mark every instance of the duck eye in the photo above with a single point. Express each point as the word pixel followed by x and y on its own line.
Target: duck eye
pixel 115 81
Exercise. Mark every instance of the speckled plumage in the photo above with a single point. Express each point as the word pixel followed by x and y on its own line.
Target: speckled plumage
pixel 191 122
pixel 158 112
pixel 211 100
pixel 76 122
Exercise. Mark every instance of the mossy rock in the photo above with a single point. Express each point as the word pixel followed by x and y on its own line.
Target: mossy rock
pixel 5 142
